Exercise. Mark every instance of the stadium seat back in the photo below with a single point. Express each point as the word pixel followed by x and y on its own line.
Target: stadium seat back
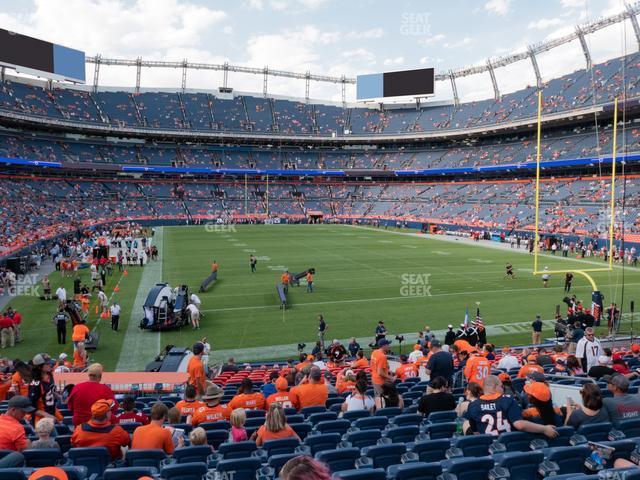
pixel 630 427
pixel 216 437
pixel 316 418
pixel 255 422
pixel 406 419
pixel 144 458
pixel 474 445
pixel 130 427
pixel 257 413
pixel 14 473
pixel 388 412
pixel 414 471
pixel 403 434
pixel 237 450
pixel 469 468
pixel 281 446
pixel 325 441
pixel 522 465
pixel 595 432
pixel 301 429
pixel 185 471
pixel 363 438
pixel 340 459
pixel 192 454
pixel 569 459
pixel 385 455
pixel 563 438
pixel 277 461
pixel 41 457
pixel 128 473
pixel 219 425
pixel 95 459
pixel 64 441
pixel 356 414
pixel 297 418
pixel 517 441
pixel 306 411
pixel 243 469
pixel 371 423
pixel 333 426
pixel 441 430
pixel 441 417
pixel 431 450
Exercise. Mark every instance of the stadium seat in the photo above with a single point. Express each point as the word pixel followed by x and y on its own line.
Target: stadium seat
pixel 318 443
pixel 217 437
pixel 144 458
pixel 440 430
pixel 75 472
pixel 230 451
pixel 334 401
pixel 96 459
pixel 370 423
pixel 185 471
pixel 128 473
pixel 431 450
pixel 405 434
pixel 333 426
pixel 243 469
pixel 563 438
pixel 130 427
pixel 522 465
pixel 361 474
pixel 474 445
pixel 301 429
pixel 325 416
pixel 254 423
pixel 388 412
pixel 406 419
pixel 363 438
pixel 595 432
pixel 340 459
pixel 630 427
pixel 62 429
pixel 382 456
pixel 192 454
pixel 306 411
pixel 15 474
pixel 569 459
pixel 258 413
pixel 414 471
pixel 297 418
pixel 517 441
pixel 622 449
pixel 219 425
pixel 42 457
pixel 441 417
pixel 280 446
pixel 356 414
pixel 64 441
pixel 469 468
pixel 274 464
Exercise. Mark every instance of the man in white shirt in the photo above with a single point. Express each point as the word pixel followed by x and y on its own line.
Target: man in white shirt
pixel 194 315
pixel 416 354
pixel 103 299
pixel 61 294
pixel 115 316
pixel 588 350
pixel 508 361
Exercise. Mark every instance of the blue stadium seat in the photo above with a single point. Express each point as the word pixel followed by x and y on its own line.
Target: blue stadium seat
pixel 144 458
pixel 297 418
pixel 334 401
pixel 517 441
pixel 414 471
pixel 301 429
pixel 474 445
pixel 406 419
pixel 361 474
pixel 276 462
pixel 355 414
pixel 441 417
pixel 441 430
pixel 623 449
pixel 217 437
pixel 336 408
pixel 316 418
pixel 405 434
pixel 290 411
pixel 595 432
pixel 130 427
pixel 522 465
pixel 243 469
pixel 280 446
pixel 64 441
pixel 340 459
pixel 630 427
pixel 185 471
pixel 15 474
pixel 254 423
pixel 333 426
pixel 128 473
pixel 431 450
pixel 370 423
pixel 383 456
pixel 258 413
pixel 306 411
pixel 75 472
pixel 410 409
pixel 363 438
pixel 318 443
pixel 469 468
pixel 569 459
pixel 192 454
pixel 62 429
pixel 42 457
pixel 563 438
pixel 230 451
pixel 388 412
pixel 219 425
pixel 96 459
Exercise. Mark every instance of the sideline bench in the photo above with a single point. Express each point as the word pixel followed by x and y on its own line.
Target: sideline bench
pixel 208 281
pixel 282 296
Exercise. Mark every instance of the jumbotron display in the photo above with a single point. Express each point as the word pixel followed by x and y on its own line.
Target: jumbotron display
pixel 52 60
pixel 415 83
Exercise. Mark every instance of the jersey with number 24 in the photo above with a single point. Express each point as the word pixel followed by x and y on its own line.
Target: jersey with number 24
pixel 493 414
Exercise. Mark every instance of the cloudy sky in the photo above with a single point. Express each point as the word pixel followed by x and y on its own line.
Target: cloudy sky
pixel 321 36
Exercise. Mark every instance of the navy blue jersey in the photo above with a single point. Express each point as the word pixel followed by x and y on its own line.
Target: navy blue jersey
pixel 493 415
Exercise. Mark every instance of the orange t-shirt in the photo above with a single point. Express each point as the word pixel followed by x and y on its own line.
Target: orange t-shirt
pixel 92 434
pixel 80 333
pixel 301 365
pixel 264 435
pixel 284 278
pixel 360 363
pixel 310 394
pixel 528 368
pixel 13 436
pixel 248 401
pixel 477 369
pixel 19 385
pixel 407 370
pixel 152 436
pixel 79 360
pixel 378 362
pixel 210 414
pixel 346 386
pixel 189 408
pixel 195 369
pixel 286 399
pixel 463 346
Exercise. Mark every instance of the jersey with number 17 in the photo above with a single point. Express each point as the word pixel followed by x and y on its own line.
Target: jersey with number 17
pixel 493 414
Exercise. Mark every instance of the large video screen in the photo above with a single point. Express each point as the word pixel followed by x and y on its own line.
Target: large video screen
pixel 18 50
pixel 415 83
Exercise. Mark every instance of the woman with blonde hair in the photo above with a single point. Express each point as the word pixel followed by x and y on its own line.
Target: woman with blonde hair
pixel 275 426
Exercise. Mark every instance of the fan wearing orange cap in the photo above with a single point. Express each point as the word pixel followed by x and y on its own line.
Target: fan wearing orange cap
pixel 530 367
pixel 542 409
pixel 49 473
pixel 282 396
pixel 100 432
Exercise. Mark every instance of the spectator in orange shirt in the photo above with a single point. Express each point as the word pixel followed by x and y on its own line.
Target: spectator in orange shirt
pixel 463 346
pixel 195 369
pixel 247 398
pixel 406 370
pixel 189 405
pixel 100 432
pixel 304 361
pixel 477 369
pixel 12 434
pixel 530 367
pixel 380 366
pixel 285 279
pixel 212 411
pixel 346 382
pixel 79 334
pixel 282 396
pixel 275 426
pixel 153 436
pixel 311 391
pixel 360 361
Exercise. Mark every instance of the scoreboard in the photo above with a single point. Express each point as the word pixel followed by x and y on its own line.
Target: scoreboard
pixel 30 55
pixel 417 83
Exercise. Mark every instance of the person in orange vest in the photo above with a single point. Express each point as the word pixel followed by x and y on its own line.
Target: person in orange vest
pixel 309 282
pixel 477 368
pixel 285 278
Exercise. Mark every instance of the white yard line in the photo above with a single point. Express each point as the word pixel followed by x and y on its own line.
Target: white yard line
pixel 140 347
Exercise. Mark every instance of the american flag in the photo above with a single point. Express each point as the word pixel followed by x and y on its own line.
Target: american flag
pixel 479 318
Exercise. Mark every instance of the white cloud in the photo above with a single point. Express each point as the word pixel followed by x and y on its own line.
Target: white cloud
pixel 393 61
pixel 432 40
pixel 256 4
pixel 544 23
pixel 573 4
pixel 365 34
pixel 498 7
pixel 289 6
pixel 460 43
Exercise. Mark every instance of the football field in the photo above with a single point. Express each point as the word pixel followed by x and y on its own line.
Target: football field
pixel 362 275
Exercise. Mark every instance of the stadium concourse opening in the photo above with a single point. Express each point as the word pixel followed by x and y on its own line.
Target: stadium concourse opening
pixel 432 275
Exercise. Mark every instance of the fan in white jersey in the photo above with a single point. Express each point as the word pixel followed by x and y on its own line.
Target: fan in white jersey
pixel 588 350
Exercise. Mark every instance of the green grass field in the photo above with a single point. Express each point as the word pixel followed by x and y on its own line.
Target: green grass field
pixel 363 275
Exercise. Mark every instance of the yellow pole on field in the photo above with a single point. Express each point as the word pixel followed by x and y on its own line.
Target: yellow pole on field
pixel 267 194
pixel 613 179
pixel 535 238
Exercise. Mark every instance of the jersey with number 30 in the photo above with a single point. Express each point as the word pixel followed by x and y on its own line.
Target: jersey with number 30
pixel 477 369
pixel 493 414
